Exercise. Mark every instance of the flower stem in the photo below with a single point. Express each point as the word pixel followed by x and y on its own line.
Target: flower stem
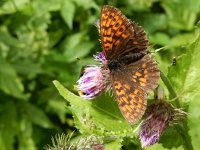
pixel 170 88
pixel 183 130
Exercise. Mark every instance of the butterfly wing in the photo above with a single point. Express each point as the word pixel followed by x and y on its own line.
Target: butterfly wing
pixel 131 85
pixel 119 35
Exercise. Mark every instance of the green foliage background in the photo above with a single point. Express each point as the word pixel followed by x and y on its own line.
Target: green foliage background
pixel 42 41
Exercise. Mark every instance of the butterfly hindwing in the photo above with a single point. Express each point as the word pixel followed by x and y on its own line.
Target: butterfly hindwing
pixel 145 73
pixel 131 100
pixel 132 83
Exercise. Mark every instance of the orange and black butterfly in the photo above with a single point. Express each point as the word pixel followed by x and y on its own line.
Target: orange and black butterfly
pixel 133 71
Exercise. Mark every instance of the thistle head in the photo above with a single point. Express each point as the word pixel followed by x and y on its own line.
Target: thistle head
pixel 92 82
pixel 100 57
pixel 158 116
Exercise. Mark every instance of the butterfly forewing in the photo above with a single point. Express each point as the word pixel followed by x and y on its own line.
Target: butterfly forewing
pixel 119 35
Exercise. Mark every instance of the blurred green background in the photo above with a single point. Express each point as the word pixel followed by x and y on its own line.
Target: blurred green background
pixel 44 40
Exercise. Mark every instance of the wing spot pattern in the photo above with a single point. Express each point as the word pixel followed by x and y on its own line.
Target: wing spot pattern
pixel 136 91
pixel 138 74
pixel 142 84
pixel 144 80
pixel 144 65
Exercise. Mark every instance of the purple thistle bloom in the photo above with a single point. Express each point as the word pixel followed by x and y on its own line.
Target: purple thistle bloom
pixel 92 83
pixel 158 116
pixel 100 57
pixel 98 147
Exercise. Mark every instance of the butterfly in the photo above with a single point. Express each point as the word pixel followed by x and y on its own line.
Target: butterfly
pixel 133 71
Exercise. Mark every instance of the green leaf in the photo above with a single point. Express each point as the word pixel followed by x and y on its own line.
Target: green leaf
pixel 7 39
pixel 67 12
pixel 76 46
pixel 193 121
pixel 88 115
pixel 12 6
pixel 25 135
pixel 9 124
pixel 160 147
pixel 160 24
pixel 38 116
pixel 44 6
pixel 86 4
pixel 183 39
pixel 167 139
pixel 160 38
pixel 27 68
pixel 181 13
pixel 114 145
pixel 139 5
pixel 184 75
pixel 9 81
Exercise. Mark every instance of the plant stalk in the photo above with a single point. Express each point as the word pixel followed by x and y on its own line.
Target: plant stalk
pixel 182 129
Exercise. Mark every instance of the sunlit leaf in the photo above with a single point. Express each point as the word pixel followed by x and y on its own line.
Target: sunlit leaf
pixel 12 6
pixel 88 115
pixel 184 75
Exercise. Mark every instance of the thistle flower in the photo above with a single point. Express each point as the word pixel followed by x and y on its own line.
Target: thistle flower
pixel 100 58
pixel 157 118
pixel 92 83
pixel 65 142
pixel 98 147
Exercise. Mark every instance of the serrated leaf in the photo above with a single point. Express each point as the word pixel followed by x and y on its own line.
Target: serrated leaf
pixel 67 12
pixel 167 139
pixel 160 147
pixel 114 145
pixel 100 116
pixel 193 121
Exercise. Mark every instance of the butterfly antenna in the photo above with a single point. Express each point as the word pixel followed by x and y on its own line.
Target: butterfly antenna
pixel 159 49
pixel 97 24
